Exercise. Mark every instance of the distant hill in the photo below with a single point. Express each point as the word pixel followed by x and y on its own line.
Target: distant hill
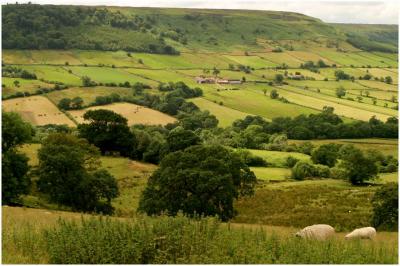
pixel 367 37
pixel 168 31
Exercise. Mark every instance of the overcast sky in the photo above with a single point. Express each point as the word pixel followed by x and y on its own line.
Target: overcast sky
pixel 345 11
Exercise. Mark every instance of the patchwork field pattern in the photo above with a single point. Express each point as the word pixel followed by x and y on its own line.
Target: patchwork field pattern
pixel 135 114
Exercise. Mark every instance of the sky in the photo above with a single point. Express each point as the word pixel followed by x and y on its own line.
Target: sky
pixel 339 11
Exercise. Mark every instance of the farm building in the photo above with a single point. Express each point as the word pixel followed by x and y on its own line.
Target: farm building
pixel 203 80
pixel 296 77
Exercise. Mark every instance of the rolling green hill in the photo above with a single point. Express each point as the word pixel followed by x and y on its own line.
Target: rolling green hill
pixel 155 30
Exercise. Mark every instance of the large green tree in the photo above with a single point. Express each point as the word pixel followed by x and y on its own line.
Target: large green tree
pixel 15 181
pixel 68 172
pixel 108 131
pixel 202 180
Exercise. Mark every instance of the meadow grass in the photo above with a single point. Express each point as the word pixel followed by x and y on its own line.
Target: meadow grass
pixel 302 203
pixel 41 236
pixel 271 173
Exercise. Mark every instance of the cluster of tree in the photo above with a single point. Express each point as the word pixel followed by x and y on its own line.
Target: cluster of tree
pixel 68 171
pixel 180 89
pixel 387 79
pixel 70 104
pixel 313 67
pixel 171 102
pixel 327 125
pixel 110 133
pixel 31 26
pixel 16 72
pixel 341 75
pixel 69 174
pixel 103 100
pixel 348 162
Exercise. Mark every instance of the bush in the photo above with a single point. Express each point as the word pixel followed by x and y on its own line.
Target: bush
pixel 322 171
pixel 250 159
pixel 291 161
pixel 303 170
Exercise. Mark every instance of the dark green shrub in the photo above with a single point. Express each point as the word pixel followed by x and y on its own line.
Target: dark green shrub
pixel 291 161
pixel 302 170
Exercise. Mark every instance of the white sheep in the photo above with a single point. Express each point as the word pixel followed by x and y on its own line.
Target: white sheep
pixel 316 231
pixel 363 233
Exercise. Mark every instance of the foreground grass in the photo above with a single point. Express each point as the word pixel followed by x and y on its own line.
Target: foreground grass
pixel 38 236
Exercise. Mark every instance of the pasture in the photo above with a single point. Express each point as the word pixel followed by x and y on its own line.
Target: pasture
pixel 225 115
pixel 278 158
pixel 135 114
pixel 88 94
pixel 54 74
pixel 24 86
pixel 252 102
pixel 37 110
pixel 271 173
pixel 108 75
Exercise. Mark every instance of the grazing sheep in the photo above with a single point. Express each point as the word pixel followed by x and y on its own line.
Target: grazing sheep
pixel 363 233
pixel 316 231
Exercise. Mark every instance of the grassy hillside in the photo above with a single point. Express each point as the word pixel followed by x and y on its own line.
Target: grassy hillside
pixel 168 31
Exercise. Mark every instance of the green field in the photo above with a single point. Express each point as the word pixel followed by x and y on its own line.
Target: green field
pixel 107 75
pixel 270 173
pixel 278 158
pixel 54 73
pixel 225 115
